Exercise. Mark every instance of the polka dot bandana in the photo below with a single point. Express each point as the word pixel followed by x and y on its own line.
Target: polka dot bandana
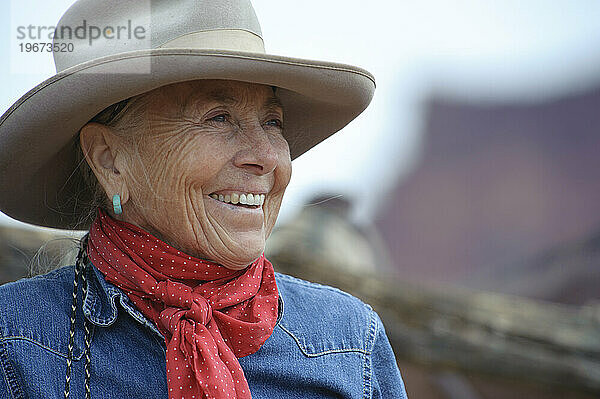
pixel 209 315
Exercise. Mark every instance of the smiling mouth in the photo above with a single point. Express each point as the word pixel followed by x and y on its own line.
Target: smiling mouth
pixel 244 200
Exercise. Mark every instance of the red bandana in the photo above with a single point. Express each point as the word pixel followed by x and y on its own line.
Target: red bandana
pixel 208 314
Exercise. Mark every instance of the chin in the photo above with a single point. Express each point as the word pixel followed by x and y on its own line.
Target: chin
pixel 240 264
pixel 244 253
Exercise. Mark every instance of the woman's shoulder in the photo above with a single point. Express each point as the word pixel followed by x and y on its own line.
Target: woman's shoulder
pixel 324 319
pixel 43 287
pixel 306 293
pixel 31 303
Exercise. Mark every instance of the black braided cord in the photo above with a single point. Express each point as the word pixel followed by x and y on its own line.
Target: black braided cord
pixel 79 272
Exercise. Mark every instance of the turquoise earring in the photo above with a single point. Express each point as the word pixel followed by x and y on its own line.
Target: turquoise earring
pixel 117 204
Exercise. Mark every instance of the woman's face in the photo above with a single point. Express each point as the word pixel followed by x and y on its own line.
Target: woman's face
pixel 209 146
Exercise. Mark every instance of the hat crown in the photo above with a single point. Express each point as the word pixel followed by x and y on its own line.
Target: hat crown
pixel 92 29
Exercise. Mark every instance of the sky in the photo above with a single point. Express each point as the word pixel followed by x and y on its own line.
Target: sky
pixel 486 51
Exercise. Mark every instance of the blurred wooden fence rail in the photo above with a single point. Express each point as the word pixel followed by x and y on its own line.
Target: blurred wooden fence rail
pixel 509 337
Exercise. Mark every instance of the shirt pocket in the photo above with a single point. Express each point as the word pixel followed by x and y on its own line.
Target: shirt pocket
pixel 345 330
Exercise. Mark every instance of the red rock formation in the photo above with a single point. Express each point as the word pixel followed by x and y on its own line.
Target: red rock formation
pixel 496 185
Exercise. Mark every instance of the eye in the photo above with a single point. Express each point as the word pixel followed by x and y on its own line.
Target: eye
pixel 221 118
pixel 276 122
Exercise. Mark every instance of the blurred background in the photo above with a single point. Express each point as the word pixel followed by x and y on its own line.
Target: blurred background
pixel 464 203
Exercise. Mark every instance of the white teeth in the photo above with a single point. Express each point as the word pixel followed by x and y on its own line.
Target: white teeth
pixel 246 199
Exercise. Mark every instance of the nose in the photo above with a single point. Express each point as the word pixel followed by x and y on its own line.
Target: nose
pixel 259 155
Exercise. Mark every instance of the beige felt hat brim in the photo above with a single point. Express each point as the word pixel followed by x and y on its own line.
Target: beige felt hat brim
pixel 37 164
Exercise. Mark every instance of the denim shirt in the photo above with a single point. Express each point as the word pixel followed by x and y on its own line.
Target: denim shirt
pixel 326 344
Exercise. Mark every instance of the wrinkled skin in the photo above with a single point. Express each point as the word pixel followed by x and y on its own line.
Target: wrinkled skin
pixel 198 138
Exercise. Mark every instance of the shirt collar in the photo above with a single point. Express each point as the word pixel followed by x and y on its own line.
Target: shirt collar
pixel 100 302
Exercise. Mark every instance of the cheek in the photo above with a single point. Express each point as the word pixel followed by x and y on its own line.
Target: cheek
pixel 167 171
pixel 283 174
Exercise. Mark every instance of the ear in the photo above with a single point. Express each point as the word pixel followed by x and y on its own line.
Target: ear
pixel 104 153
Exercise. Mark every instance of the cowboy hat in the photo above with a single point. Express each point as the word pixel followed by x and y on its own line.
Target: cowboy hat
pixel 108 51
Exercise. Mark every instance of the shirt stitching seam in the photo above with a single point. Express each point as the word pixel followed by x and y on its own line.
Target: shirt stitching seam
pixel 89 306
pixel 317 354
pixel 367 370
pixel 96 319
pixel 9 373
pixel 18 338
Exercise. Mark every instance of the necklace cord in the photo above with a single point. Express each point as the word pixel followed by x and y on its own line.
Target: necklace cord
pixel 80 266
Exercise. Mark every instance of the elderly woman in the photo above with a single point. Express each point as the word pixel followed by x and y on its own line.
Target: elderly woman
pixel 176 152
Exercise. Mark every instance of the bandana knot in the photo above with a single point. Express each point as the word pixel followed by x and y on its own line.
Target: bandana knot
pixel 181 302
